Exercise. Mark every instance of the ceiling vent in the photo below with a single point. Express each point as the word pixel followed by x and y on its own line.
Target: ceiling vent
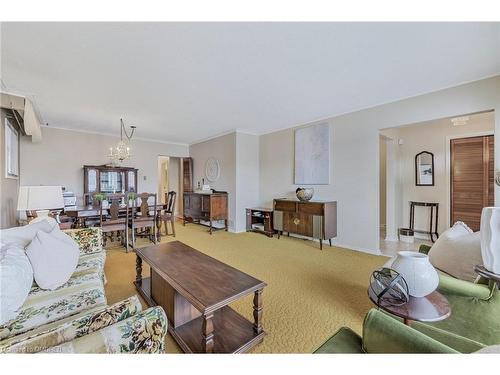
pixel 459 121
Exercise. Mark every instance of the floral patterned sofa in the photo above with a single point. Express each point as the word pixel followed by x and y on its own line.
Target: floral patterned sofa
pixel 75 317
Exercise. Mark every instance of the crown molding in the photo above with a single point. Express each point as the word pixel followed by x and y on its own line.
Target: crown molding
pixel 114 135
pixel 218 135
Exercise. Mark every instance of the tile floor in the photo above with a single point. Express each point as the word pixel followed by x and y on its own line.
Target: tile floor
pixel 390 248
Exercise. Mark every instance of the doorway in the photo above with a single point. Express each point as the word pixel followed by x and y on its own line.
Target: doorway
pixel 401 145
pixel 169 169
pixel 163 180
pixel 471 178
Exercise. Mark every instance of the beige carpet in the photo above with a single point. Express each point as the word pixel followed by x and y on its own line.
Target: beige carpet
pixel 310 293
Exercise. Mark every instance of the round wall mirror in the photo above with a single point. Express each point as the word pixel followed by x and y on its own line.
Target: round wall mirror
pixel 424 169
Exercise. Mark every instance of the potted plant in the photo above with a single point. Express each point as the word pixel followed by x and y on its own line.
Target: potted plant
pixel 130 197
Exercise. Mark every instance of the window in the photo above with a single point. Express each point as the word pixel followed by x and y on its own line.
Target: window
pixel 11 151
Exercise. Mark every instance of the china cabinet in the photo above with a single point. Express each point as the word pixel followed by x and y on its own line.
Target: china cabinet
pixel 108 179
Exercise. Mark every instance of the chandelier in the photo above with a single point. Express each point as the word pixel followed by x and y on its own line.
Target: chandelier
pixel 122 150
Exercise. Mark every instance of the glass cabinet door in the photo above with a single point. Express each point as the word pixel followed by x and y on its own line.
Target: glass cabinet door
pixel 91 180
pixel 131 181
pixel 111 181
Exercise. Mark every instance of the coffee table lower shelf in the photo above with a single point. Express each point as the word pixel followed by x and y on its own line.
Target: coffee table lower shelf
pixel 232 332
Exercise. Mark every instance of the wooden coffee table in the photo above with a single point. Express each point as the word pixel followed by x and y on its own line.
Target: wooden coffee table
pixel 195 290
pixel 431 308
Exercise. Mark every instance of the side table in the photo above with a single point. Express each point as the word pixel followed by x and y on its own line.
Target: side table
pixel 431 308
pixel 482 271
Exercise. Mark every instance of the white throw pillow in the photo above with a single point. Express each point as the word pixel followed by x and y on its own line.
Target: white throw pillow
pixel 457 251
pixel 54 258
pixel 22 236
pixel 58 233
pixel 16 279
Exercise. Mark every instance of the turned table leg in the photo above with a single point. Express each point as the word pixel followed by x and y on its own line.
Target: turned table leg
pixel 138 270
pixel 207 342
pixel 257 311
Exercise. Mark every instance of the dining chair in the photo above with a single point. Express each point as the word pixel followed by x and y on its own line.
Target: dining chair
pixel 111 220
pixel 167 214
pixel 143 216
pixel 92 218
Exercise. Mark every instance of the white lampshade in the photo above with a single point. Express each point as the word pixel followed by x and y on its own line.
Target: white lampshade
pixel 32 198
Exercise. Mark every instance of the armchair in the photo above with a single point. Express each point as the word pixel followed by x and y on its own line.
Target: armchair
pixel 384 334
pixel 475 308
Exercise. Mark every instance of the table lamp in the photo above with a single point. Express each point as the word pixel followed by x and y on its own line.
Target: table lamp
pixel 41 199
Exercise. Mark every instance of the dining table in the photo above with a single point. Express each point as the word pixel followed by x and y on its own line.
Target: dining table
pixel 81 213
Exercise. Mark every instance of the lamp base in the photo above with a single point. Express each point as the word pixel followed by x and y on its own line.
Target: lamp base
pixel 44 215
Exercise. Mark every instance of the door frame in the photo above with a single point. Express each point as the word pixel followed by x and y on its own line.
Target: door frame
pixel 448 166
pixel 161 159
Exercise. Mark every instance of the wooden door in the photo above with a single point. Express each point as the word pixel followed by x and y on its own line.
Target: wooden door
pixel 472 176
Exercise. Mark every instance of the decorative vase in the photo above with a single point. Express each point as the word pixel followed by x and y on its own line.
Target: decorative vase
pixel 490 238
pixel 421 277
pixel 304 194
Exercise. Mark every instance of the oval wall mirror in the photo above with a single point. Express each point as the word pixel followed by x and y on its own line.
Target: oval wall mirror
pixel 424 169
pixel 212 169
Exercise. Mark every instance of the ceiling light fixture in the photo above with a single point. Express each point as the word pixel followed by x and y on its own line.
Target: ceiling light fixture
pixel 121 151
pixel 459 121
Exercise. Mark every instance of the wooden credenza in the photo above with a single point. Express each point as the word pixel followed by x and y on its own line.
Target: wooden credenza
pixel 206 207
pixel 316 219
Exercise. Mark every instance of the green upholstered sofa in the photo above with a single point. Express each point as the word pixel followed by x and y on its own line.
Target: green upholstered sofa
pixel 475 307
pixel 385 334
pixel 75 317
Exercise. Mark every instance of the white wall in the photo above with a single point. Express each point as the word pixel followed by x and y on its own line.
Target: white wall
pixel 355 155
pixel 59 158
pixel 383 180
pixel 432 136
pixel 224 150
pixel 247 177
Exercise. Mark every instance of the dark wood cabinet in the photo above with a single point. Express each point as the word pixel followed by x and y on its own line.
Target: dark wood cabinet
pixel 260 220
pixel 316 219
pixel 107 179
pixel 207 207
pixel 187 175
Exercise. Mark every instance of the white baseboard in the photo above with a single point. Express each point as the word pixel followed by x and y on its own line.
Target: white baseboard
pixel 391 238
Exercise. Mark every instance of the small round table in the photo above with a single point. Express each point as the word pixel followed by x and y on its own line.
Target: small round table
pixel 431 308
pixel 483 272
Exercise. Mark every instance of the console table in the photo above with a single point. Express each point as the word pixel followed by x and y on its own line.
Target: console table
pixel 434 207
pixel 316 219
pixel 205 206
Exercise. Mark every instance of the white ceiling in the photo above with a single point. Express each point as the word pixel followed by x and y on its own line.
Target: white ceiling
pixel 183 82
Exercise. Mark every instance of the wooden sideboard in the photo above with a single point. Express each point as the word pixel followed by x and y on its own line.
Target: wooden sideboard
pixel 205 206
pixel 316 219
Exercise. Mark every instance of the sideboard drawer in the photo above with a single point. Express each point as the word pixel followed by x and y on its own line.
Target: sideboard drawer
pixel 310 208
pixel 284 206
